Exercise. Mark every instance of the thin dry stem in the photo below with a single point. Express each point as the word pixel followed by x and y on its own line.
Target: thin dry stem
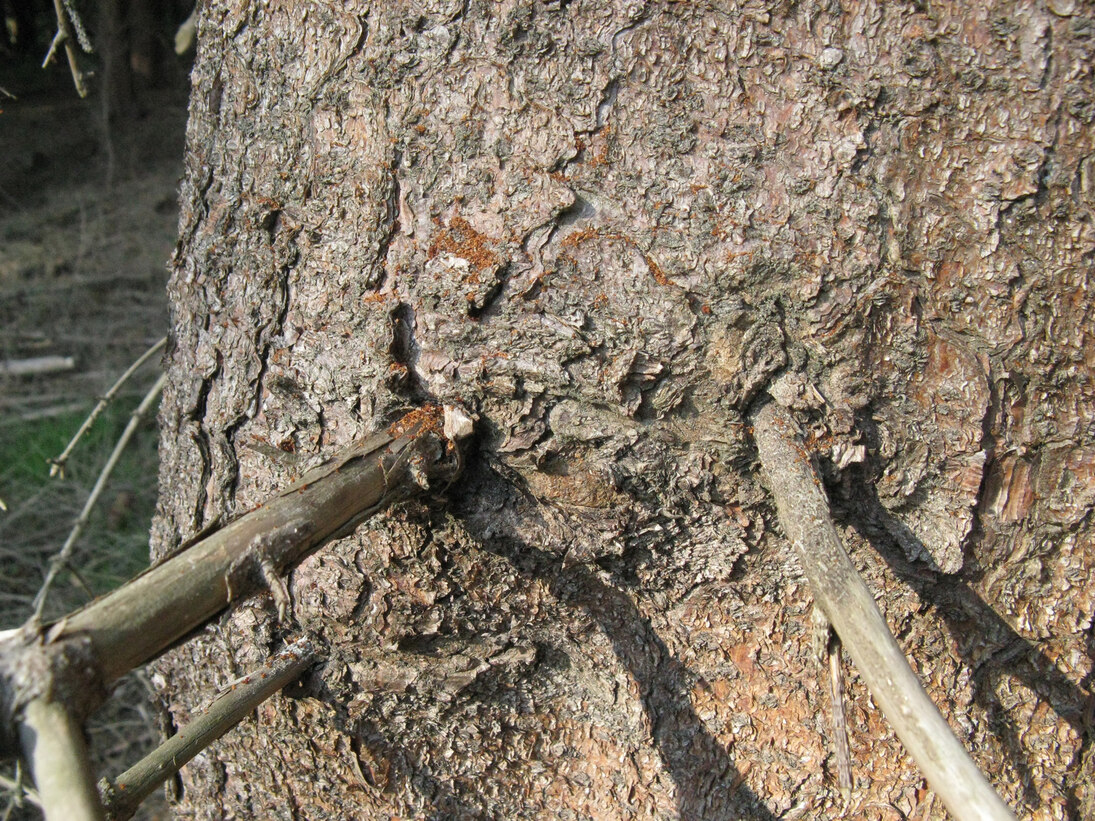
pixel 61 559
pixel 23 791
pixel 65 36
pixel 123 795
pixel 57 466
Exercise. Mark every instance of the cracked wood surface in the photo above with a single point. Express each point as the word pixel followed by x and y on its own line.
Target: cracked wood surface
pixel 605 226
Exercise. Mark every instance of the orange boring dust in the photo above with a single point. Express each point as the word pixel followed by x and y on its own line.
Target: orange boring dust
pixel 463 241
pixel 427 419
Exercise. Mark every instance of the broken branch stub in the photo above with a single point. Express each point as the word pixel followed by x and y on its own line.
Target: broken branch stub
pixel 845 599
pixel 139 620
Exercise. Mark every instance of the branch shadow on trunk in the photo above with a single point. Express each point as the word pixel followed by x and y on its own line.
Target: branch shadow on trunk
pixel 971 621
pixel 444 804
pixel 709 783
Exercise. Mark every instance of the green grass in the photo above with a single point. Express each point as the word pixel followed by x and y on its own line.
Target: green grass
pixel 42 510
pixel 25 446
pixel 114 547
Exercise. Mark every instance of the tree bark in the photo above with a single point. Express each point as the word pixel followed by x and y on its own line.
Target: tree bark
pixel 606 228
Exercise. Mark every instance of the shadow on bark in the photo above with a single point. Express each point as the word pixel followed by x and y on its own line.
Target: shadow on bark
pixel 973 625
pixel 445 805
pixel 709 784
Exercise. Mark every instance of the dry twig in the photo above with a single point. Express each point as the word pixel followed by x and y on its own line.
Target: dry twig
pixel 23 792
pixel 123 795
pixel 61 558
pixel 57 465
pixel 37 365
pixel 846 601
pixel 67 19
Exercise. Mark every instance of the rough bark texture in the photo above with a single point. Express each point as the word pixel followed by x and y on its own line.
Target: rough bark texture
pixel 605 226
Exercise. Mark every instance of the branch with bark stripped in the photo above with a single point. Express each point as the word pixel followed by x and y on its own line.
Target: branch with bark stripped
pixel 842 595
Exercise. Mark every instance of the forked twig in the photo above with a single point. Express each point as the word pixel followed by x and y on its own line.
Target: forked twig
pixel 123 795
pixel 66 17
pixel 849 605
pixel 61 558
pixel 17 787
pixel 57 465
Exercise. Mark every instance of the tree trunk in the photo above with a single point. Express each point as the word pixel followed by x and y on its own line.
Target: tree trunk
pixel 606 228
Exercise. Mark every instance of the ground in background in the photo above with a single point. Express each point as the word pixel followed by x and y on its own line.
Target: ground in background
pixel 87 223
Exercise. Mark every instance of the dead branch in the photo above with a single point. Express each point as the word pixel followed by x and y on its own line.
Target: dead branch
pixel 57 465
pixel 50 679
pixel 844 598
pixel 37 365
pixel 123 795
pixel 66 18
pixel 53 743
pixel 87 650
pixel 58 562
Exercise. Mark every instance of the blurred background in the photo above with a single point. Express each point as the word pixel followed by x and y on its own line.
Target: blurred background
pixel 88 216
